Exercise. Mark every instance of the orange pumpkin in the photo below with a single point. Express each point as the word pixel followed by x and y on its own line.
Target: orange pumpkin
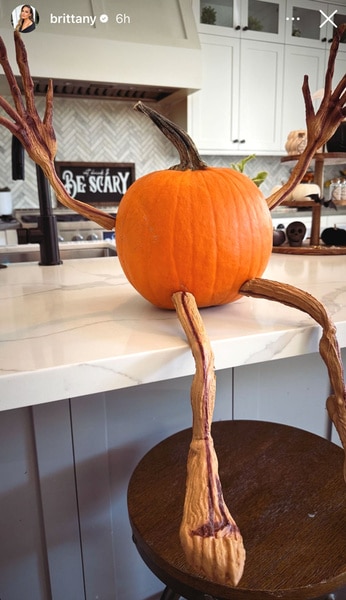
pixel 194 228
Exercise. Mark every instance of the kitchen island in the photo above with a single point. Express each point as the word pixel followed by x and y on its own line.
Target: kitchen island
pixel 80 328
pixel 92 376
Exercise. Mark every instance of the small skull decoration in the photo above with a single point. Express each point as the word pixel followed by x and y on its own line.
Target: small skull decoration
pixel 295 233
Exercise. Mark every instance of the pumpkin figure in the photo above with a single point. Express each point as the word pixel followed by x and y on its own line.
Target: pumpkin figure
pixel 192 228
pixel 197 236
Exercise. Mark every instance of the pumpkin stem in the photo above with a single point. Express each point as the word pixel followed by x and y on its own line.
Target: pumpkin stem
pixel 188 153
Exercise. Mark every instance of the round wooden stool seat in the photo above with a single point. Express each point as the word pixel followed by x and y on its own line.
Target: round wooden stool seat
pixel 285 489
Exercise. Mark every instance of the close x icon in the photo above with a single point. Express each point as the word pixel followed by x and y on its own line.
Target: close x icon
pixel 328 19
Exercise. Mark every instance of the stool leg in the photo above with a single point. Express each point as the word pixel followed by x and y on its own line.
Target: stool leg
pixel 168 594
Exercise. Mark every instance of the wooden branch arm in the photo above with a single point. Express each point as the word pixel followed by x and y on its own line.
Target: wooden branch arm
pixel 38 137
pixel 329 348
pixel 15 91
pixel 320 126
pixel 103 219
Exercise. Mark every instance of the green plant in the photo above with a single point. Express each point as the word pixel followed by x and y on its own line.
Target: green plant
pixel 208 15
pixel 240 167
pixel 254 24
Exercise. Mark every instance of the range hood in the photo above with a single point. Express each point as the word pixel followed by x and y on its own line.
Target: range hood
pixel 128 50
pixel 102 90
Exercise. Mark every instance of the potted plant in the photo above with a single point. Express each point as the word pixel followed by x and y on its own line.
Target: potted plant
pixel 208 15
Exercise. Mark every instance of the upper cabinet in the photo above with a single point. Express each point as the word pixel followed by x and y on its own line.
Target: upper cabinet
pixel 313 24
pixel 309 34
pixel 255 54
pixel 237 109
pixel 247 19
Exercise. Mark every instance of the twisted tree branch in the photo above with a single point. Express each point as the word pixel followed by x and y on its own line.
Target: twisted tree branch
pixel 320 125
pixel 38 137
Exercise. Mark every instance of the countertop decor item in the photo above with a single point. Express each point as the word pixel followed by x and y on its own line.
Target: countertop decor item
pixel 334 236
pixel 237 201
pixel 296 141
pixel 295 233
pixel 193 223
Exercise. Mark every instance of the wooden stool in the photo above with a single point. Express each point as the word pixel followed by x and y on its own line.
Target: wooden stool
pixel 285 489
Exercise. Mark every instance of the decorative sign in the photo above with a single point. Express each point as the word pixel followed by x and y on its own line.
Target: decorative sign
pixel 96 183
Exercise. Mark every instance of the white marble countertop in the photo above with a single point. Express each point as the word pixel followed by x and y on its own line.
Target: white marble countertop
pixel 80 328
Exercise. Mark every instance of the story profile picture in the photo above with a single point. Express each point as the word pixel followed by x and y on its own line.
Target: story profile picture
pixel 24 18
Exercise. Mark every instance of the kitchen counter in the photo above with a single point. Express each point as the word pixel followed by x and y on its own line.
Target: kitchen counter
pixel 121 370
pixel 80 328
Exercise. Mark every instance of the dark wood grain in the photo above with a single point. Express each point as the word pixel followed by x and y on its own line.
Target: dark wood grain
pixel 286 492
pixel 311 250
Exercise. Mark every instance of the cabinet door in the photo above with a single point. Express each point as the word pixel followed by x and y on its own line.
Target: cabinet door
pixel 299 62
pixel 340 68
pixel 210 109
pixel 313 24
pixel 339 17
pixel 304 23
pixel 238 108
pixel 257 126
pixel 252 19
pixel 264 20
pixel 292 391
pixel 221 17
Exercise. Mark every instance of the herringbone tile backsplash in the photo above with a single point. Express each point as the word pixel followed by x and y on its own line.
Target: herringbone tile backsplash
pixel 99 130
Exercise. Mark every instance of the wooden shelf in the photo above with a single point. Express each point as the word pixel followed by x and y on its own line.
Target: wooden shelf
pixel 298 203
pixel 313 250
pixel 328 158
pixel 319 162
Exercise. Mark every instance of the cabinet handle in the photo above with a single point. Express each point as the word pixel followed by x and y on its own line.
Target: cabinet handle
pixel 245 28
pixel 237 28
pixel 242 141
pixel 330 41
pixel 235 141
pixel 324 39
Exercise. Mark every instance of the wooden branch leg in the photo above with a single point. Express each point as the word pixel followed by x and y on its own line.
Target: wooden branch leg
pixel 329 347
pixel 210 538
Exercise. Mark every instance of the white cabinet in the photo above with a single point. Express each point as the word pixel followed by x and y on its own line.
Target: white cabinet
pixel 238 108
pixel 64 471
pixel 211 108
pixel 247 19
pixel 251 95
pixel 65 467
pixel 257 124
pixel 292 391
pixel 309 23
pixel 300 61
pixel 309 34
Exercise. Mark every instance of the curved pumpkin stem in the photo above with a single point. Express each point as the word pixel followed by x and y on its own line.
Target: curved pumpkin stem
pixel 329 347
pixel 188 153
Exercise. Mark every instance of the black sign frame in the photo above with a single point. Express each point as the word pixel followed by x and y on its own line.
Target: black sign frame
pixel 96 183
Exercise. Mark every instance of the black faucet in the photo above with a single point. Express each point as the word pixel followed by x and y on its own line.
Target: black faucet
pixel 46 234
